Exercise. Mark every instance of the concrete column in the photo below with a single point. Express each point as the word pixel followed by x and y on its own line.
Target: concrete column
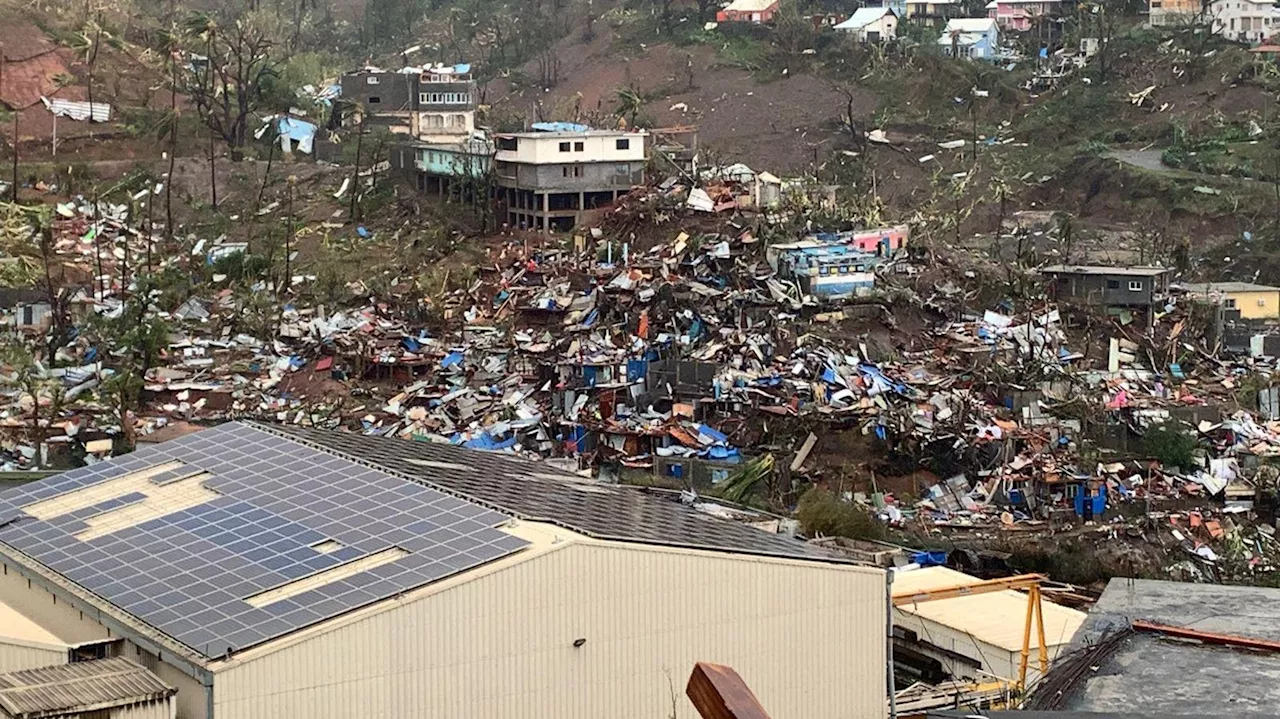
pixel 546 212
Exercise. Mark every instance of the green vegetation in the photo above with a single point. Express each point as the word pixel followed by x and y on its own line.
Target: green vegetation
pixel 823 513
pixel 1171 446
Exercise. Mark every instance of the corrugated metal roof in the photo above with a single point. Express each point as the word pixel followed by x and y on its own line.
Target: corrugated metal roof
pixel 998 618
pixel 83 686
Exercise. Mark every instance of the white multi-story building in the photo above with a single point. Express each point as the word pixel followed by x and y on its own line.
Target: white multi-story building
pixel 549 177
pixel 1250 21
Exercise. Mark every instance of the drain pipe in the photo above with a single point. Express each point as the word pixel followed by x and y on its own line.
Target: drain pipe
pixel 890 674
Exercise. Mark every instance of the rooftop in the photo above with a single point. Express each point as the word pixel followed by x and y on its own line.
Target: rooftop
pixel 750 5
pixel 1208 287
pixel 240 534
pixel 563 134
pixel 863 16
pixel 1104 270
pixel 536 492
pixel 1148 673
pixel 985 617
pixel 207 537
pixel 78 688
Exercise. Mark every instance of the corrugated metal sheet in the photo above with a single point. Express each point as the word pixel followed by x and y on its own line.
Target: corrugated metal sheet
pixel 15 656
pixel 72 687
pixel 78 110
pixel 997 619
pixel 807 637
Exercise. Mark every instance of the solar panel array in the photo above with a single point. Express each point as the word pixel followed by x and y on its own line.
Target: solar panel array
pixel 189 572
pixel 536 492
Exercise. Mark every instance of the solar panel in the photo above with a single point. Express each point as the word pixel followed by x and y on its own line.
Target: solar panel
pixel 188 572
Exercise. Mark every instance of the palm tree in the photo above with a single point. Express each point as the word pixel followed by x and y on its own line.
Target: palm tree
pixel 629 104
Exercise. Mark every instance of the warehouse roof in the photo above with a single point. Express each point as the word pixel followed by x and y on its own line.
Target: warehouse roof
pixel 233 536
pixel 240 534
pixel 536 492
pixel 1103 270
pixel 1207 287
pixel 77 688
pixel 995 618
pixel 1151 674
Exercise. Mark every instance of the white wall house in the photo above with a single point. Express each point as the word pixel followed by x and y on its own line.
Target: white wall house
pixel 871 24
pixel 1250 21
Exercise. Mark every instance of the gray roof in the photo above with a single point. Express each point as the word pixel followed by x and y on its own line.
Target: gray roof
pixel 1207 287
pixel 1104 270
pixel 243 512
pixel 536 492
pixel 78 687
pixel 1150 674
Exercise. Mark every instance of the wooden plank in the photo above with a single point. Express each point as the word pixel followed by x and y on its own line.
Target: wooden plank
pixel 717 692
pixel 1226 640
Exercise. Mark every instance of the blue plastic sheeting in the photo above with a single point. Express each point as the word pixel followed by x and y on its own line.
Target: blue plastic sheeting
pixel 559 127
pixel 637 369
pixel 829 376
pixel 725 454
pixel 711 434
pixel 1098 501
pixel 291 129
pixel 488 443
pixel 577 439
pixel 589 375
pixel 452 359
pixel 879 382
pixel 462 68
pixel 410 344
pixel 930 559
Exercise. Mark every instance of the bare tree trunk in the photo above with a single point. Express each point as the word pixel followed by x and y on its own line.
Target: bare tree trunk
pixel 97 245
pixel 93 60
pixel 15 157
pixel 213 172
pixel 355 175
pixel 173 145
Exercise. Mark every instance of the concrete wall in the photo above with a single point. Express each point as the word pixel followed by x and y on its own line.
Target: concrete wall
pixel 1097 289
pixel 392 91
pixel 545 148
pixel 808 638
pixel 588 177
pixel 1256 305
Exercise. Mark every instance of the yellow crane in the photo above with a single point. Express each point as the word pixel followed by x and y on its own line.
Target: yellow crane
pixel 1035 610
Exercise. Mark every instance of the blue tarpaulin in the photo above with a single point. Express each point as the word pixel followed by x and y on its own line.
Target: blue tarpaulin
pixel 452 359
pixel 930 559
pixel 559 127
pixel 293 130
pixel 637 369
pixel 711 434
pixel 488 443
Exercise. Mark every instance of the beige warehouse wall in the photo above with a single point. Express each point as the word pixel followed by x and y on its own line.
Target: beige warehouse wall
pixel 808 638
pixel 15 656
pixel 38 605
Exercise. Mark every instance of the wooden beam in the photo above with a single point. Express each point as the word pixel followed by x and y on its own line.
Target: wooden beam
pixel 1022 581
pixel 717 692
pixel 1226 640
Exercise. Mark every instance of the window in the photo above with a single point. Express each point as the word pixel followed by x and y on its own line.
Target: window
pixel 622 169
pixel 372 80
pixel 444 98
pixel 623 144
pixel 374 99
pixel 578 147
pixel 508 143
pixel 1230 303
pixel 1113 284
pixel 577 171
pixel 1135 285
pixel 564 147
pixel 1262 302
pixel 458 121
